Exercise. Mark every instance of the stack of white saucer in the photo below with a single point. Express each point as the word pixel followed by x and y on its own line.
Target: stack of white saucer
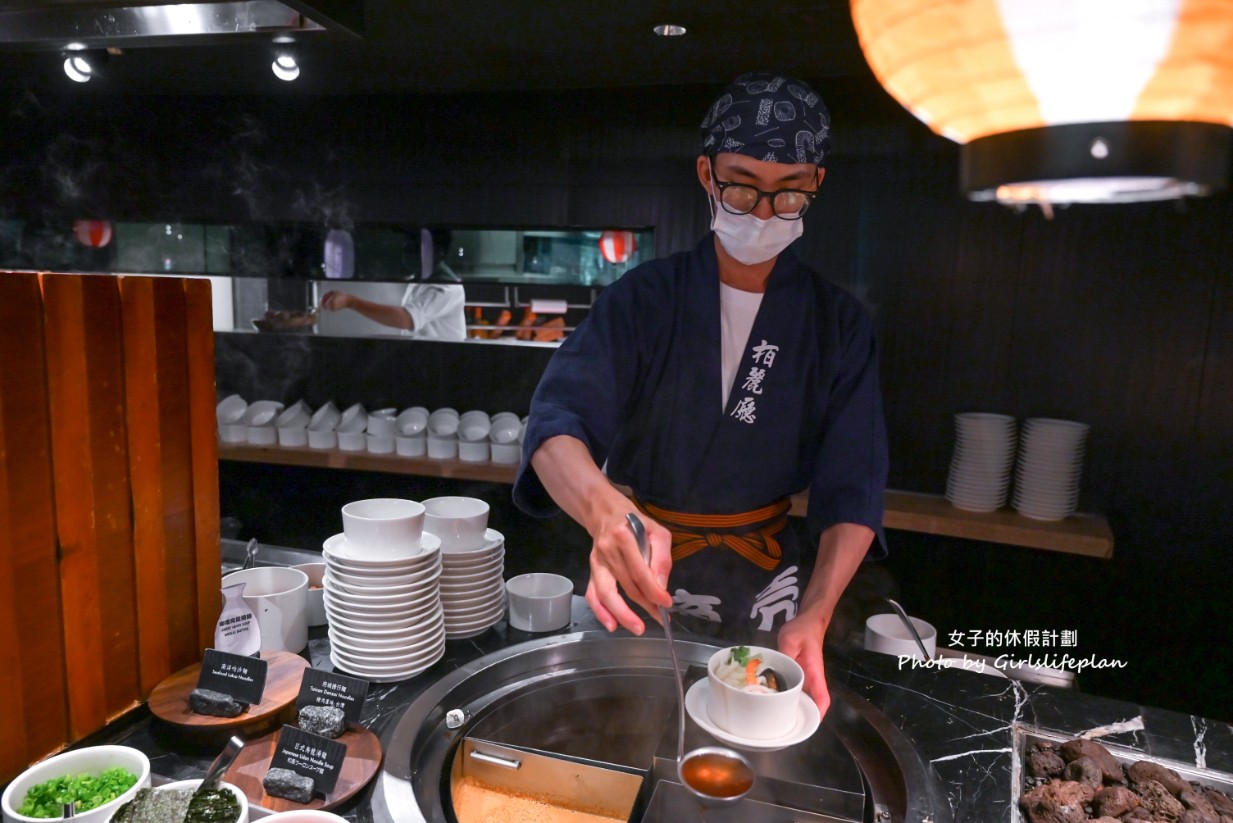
pixel 473 587
pixel 981 466
pixel 1050 463
pixel 473 564
pixel 382 594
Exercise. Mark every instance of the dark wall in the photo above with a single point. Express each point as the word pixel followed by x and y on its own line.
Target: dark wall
pixel 1116 316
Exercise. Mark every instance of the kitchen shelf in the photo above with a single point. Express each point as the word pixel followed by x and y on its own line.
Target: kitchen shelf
pixel 1082 534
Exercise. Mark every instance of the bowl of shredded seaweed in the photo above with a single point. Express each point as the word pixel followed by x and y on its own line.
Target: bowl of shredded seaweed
pixel 97 780
pixel 180 802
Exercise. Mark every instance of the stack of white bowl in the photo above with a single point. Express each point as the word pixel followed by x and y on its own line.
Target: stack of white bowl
pixel 472 562
pixel 981 466
pixel 382 594
pixel 1050 464
pixel 504 434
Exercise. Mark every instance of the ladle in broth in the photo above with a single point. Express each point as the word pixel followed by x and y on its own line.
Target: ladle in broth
pixel 714 774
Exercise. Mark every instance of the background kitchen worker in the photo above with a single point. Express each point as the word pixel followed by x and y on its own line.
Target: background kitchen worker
pixel 433 308
pixel 715 383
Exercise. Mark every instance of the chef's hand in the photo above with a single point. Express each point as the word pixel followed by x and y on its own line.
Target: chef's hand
pixel 801 639
pixel 617 566
pixel 335 300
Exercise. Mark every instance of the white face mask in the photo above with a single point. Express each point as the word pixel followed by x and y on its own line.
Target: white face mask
pixel 750 239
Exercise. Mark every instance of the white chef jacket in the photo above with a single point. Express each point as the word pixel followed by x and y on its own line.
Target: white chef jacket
pixel 437 310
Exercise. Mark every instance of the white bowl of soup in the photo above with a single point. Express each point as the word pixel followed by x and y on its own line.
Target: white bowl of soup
pixel 754 692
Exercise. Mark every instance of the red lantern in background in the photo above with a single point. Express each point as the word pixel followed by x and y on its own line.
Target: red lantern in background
pixel 617 246
pixel 93 233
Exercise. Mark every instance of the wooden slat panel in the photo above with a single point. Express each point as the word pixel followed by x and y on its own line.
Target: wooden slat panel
pixel 204 427
pixel 94 518
pixel 32 676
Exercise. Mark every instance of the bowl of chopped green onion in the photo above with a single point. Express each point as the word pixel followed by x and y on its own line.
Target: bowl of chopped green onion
pixel 97 780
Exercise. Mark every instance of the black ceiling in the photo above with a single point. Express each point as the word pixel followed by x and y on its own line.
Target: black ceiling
pixel 488 45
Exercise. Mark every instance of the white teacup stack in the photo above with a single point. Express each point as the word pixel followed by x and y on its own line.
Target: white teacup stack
pixel 410 432
pixel 443 433
pixel 230 412
pixel 984 455
pixel 1050 463
pixel 505 445
pixel 382 596
pixel 472 564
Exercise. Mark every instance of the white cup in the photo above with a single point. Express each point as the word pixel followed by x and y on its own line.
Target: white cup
pixel 265 435
pixel 325 418
pixel 316 592
pixel 755 715
pixel 443 422
pixel 322 438
pixel 278 596
pixel 384 527
pixel 442 448
pixel 411 446
pixel 460 522
pixel 474 425
pixel 352 441
pixel 294 437
pixel 539 602
pixel 295 416
pixel 262 413
pixel 476 451
pixel 354 419
pixel 505 428
pixel 506 454
pixel 231 409
pixel 379 444
pixel 381 422
pixel 886 633
pixel 233 432
pixel 412 421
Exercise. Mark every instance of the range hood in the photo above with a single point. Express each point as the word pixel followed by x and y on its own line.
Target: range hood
pixel 36 26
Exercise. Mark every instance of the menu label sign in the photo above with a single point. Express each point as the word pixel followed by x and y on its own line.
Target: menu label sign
pixel 238 675
pixel 320 688
pixel 310 755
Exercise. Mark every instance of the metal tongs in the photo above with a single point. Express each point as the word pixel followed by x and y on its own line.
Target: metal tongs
pixel 220 764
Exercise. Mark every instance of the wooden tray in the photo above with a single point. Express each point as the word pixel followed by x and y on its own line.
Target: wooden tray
pixel 253 761
pixel 169 700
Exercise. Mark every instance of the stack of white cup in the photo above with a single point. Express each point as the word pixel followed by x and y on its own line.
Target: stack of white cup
pixel 443 433
pixel 381 431
pixel 984 455
pixel 351 429
pixel 472 564
pixel 410 432
pixel 1050 463
pixel 322 427
pixel 504 436
pixel 381 591
pixel 292 424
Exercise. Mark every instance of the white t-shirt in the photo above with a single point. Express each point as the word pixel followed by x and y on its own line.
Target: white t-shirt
pixel 437 310
pixel 737 310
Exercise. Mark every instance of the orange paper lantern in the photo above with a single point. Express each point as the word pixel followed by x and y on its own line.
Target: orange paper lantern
pixel 93 233
pixel 1137 95
pixel 617 246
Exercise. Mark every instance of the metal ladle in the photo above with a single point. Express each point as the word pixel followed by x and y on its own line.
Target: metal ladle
pixel 725 774
pixel 907 621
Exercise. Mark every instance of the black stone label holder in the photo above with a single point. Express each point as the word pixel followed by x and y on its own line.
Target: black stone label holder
pixel 319 688
pixel 237 675
pixel 310 755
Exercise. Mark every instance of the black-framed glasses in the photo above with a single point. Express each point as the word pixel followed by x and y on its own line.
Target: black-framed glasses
pixel 742 198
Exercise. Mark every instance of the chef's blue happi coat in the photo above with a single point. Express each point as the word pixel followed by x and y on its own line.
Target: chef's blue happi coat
pixel 639 383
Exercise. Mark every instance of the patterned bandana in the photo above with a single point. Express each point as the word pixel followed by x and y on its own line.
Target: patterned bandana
pixel 771 118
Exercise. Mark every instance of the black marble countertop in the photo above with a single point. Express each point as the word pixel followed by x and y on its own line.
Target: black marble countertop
pixel 962 723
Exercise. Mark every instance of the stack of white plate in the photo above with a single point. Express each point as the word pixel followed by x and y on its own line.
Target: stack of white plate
pixel 1050 463
pixel 473 587
pixel 385 616
pixel 984 455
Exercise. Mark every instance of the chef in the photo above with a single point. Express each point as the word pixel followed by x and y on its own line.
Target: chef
pixel 433 308
pixel 716 383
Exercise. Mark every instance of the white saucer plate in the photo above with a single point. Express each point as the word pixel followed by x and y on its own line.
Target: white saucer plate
pixel 807 722
pixel 346 554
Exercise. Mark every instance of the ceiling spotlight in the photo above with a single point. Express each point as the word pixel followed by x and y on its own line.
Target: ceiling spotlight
pixel 285 67
pixel 78 67
pixel 669 30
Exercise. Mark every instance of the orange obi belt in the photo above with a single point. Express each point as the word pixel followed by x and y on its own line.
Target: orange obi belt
pixel 749 534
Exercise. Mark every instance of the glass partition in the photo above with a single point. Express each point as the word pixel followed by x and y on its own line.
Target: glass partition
pixel 521 284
